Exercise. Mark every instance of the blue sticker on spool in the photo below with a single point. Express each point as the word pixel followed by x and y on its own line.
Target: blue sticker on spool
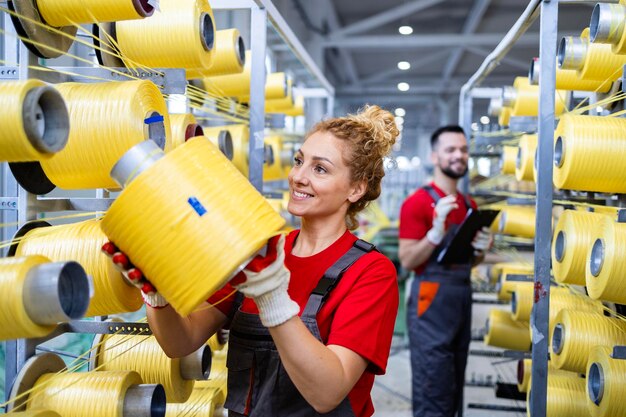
pixel 153 119
pixel 197 205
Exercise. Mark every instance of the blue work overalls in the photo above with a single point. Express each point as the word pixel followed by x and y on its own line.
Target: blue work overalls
pixel 258 385
pixel 439 315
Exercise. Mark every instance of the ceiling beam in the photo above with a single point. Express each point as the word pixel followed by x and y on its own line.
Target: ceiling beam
pixel 415 64
pixel 395 13
pixel 517 63
pixel 390 42
pixel 469 27
pixel 344 55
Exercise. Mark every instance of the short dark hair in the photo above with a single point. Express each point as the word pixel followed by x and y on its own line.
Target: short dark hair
pixel 434 139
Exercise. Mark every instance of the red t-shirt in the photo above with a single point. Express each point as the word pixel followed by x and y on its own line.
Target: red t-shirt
pixel 416 215
pixel 359 314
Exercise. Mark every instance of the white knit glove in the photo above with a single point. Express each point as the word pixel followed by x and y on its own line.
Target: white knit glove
pixel 482 241
pixel 134 276
pixel 266 282
pixel 444 206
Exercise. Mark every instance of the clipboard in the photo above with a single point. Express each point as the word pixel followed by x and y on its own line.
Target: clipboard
pixel 458 244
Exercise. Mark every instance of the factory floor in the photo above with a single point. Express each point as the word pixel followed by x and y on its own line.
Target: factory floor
pixel 392 391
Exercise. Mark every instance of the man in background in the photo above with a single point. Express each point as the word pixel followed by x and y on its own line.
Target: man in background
pixel 439 308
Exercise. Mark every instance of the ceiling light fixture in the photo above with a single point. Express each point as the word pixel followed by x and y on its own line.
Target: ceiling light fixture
pixel 404 65
pixel 484 120
pixel 400 112
pixel 403 86
pixel 405 30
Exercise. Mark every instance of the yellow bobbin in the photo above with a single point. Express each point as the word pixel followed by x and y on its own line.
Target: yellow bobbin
pixel 15 322
pixel 507 163
pixel 82 242
pixel 504 332
pixel 600 62
pixel 588 153
pixel 606 383
pixel 205 222
pixel 565 395
pixel 238 85
pixel 180 35
pixel 526 101
pixel 518 221
pixel 229 58
pixel 184 127
pixel 505 117
pixel 203 402
pixel 522 302
pixel 607 26
pixel 297 109
pixel 83 394
pixel 75 12
pixel 524 368
pixel 563 298
pixel 106 119
pixel 498 268
pixel 575 333
pixel 273 168
pixel 526 157
pixel 240 135
pixel 510 277
pixel 143 355
pixel 34 123
pixel 606 263
pixel 573 235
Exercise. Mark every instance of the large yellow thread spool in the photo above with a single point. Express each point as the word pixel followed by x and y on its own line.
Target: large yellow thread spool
pixel 504 332
pixel 34 122
pixel 526 157
pixel 606 263
pixel 565 395
pixel 524 373
pixel 81 242
pixel 238 85
pixel 607 26
pixel 143 355
pixel 562 298
pixel 273 169
pixel 240 135
pixel 204 401
pixel 588 153
pixel 518 221
pixel 75 12
pixel 573 235
pixel 83 394
pixel 180 35
pixel 510 277
pixel 505 117
pixel 279 105
pixel 498 268
pixel 575 333
pixel 526 99
pixel 592 61
pixel 567 79
pixel 106 119
pixel 205 221
pixel 184 127
pixel 522 302
pixel 507 162
pixel 229 57
pixel 15 322
pixel 606 383
pixel 297 109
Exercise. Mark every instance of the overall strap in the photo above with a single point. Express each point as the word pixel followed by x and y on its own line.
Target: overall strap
pixel 436 197
pixel 333 275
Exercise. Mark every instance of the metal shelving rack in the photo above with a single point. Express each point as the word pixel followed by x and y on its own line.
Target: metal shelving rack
pixel 547 10
pixel 18 206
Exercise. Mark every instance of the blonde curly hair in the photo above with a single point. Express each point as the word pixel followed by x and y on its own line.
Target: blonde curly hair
pixel 369 136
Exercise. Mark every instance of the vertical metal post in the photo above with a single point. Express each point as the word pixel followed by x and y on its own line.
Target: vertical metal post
pixel 465 120
pixel 258 37
pixel 543 234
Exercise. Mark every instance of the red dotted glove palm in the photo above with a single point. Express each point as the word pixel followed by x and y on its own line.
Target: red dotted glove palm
pixel 266 279
pixel 134 276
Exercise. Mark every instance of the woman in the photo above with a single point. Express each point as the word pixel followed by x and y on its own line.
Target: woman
pixel 301 345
